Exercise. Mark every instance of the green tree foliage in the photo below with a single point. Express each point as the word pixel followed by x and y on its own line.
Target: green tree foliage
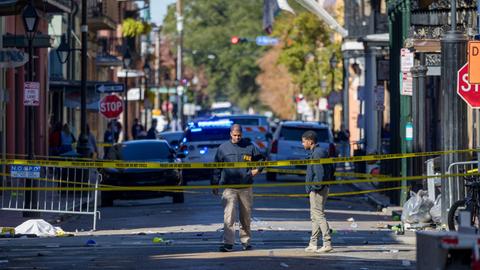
pixel 307 48
pixel 209 26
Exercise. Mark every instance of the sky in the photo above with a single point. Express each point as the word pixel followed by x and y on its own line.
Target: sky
pixel 158 10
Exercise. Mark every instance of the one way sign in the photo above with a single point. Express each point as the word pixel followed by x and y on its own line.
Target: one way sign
pixel 110 88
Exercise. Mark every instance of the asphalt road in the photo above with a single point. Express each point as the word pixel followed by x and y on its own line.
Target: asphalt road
pixel 188 236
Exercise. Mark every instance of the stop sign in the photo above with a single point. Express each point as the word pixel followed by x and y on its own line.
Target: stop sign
pixel 469 92
pixel 111 106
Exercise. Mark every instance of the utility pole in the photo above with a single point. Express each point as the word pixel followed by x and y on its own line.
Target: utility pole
pixel 179 64
pixel 454 109
pixel 400 105
pixel 82 147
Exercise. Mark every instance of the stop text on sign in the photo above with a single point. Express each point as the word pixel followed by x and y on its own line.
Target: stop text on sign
pixel 111 107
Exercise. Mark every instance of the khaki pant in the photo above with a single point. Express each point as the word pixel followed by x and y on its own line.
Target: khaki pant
pixel 317 215
pixel 230 198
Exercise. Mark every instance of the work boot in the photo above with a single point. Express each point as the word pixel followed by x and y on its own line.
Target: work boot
pixel 311 248
pixel 226 248
pixel 324 249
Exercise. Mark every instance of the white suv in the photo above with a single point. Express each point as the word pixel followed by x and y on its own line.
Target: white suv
pixel 287 143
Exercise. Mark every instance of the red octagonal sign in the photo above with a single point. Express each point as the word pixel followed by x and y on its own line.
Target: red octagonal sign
pixel 111 106
pixel 469 92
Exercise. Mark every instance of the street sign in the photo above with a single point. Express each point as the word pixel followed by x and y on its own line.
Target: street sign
pixel 111 106
pixel 110 88
pixel 467 91
pixel 266 41
pixel 23 171
pixel 31 94
pixel 406 79
pixel 474 62
pixel 406 84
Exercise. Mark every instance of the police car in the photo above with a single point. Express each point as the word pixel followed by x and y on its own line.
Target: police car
pixel 200 144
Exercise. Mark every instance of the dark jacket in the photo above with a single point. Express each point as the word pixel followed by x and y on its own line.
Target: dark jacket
pixel 315 173
pixel 240 152
pixel 152 133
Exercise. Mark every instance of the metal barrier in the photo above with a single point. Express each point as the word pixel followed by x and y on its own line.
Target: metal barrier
pixel 454 186
pixel 74 200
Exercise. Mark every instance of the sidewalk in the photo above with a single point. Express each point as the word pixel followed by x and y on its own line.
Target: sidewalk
pixel 378 200
pixel 15 218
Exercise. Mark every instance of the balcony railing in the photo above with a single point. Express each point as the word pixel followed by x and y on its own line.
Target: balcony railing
pixel 102 15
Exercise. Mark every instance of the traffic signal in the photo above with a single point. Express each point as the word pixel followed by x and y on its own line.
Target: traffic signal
pixel 236 40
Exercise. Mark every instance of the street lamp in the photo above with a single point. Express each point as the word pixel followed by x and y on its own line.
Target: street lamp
pixel 127 60
pixel 63 50
pixel 146 71
pixel 30 22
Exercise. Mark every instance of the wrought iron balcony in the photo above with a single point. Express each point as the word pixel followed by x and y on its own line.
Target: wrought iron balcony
pixel 102 15
pixel 12 7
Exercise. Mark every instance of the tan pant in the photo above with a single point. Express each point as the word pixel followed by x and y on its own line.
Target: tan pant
pixel 230 198
pixel 317 215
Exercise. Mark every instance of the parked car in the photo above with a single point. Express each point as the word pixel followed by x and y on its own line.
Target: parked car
pixel 138 151
pixel 255 128
pixel 287 143
pixel 172 137
pixel 200 143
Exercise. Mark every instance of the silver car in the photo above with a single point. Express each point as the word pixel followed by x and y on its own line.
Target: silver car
pixel 287 143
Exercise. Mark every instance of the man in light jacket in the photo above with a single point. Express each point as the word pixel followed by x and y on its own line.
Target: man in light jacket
pixel 318 194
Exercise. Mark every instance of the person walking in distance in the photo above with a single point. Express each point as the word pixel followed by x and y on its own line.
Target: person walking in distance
pixel 137 128
pixel 236 150
pixel 152 132
pixel 318 194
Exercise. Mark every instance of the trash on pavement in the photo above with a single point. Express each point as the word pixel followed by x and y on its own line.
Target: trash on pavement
pixel 353 224
pixel 7 232
pixel 38 227
pixel 157 240
pixel 436 210
pixel 284 265
pixel 417 208
pixel 90 243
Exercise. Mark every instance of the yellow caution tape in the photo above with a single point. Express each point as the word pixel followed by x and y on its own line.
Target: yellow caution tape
pixel 287 171
pixel 348 193
pixel 215 165
pixel 360 175
pixel 473 170
pixel 290 184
